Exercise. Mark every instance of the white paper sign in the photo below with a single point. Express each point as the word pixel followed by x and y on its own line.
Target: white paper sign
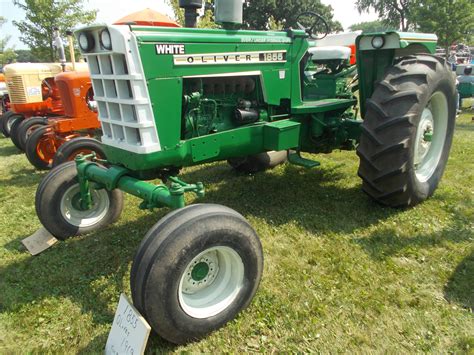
pixel 130 331
pixel 39 241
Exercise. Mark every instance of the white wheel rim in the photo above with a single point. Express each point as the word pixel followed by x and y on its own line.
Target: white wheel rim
pixel 204 294
pixel 431 137
pixel 84 218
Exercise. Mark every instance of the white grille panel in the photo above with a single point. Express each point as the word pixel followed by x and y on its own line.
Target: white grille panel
pixel 122 96
pixel 17 90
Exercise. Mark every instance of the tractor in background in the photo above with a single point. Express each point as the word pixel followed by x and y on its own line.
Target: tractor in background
pixel 169 98
pixel 4 99
pixel 33 94
pixel 59 139
pixel 51 141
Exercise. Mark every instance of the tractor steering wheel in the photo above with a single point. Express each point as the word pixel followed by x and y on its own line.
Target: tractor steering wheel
pixel 310 30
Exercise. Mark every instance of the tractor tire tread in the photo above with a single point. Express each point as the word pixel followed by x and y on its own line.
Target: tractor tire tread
pixel 390 123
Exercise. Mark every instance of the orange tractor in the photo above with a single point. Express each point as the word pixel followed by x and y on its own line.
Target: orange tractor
pixel 52 104
pixel 60 139
pixel 32 92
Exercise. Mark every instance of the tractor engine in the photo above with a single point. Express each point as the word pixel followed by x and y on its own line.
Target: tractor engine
pixel 216 104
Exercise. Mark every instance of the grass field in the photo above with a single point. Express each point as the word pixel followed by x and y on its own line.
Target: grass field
pixel 341 272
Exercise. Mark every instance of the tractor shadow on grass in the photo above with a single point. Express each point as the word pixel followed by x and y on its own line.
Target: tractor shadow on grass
pixel 468 127
pixel 459 288
pixel 9 150
pixel 386 243
pixel 318 200
pixel 93 270
pixel 87 270
pixel 25 177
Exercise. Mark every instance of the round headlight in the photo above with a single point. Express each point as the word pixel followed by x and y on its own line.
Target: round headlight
pixel 86 41
pixel 105 40
pixel 378 42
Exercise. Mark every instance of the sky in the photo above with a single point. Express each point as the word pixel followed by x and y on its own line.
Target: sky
pixel 111 10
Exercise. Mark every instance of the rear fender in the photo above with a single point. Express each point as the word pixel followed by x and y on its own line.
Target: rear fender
pixel 372 62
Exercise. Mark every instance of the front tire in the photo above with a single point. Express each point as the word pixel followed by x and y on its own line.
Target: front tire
pixel 41 147
pixel 25 129
pixel 407 131
pixel 195 270
pixel 58 207
pixel 80 145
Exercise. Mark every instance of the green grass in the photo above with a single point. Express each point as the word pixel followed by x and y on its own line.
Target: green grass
pixel 341 272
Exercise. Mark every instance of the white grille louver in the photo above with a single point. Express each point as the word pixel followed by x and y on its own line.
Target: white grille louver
pixel 121 93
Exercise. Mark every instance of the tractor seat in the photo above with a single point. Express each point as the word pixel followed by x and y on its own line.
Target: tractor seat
pixel 330 53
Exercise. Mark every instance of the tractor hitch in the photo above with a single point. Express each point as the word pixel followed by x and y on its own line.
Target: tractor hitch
pixel 115 177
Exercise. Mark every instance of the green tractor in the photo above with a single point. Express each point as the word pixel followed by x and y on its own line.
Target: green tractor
pixel 169 98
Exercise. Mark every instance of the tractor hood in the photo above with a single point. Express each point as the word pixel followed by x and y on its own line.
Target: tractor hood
pixel 40 68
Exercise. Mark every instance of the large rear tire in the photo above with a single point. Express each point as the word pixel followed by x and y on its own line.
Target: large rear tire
pixel 58 207
pixel 80 145
pixel 195 270
pixel 408 131
pixel 260 162
pixel 26 128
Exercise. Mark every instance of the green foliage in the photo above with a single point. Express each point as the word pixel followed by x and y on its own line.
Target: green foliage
pixel 266 14
pixel 395 13
pixel 178 12
pixel 207 20
pixel 204 21
pixel 7 55
pixel 25 56
pixel 451 20
pixel 371 26
pixel 42 16
pixel 279 14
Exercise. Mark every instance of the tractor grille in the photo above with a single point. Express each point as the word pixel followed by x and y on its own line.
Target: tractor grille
pixel 16 89
pixel 122 99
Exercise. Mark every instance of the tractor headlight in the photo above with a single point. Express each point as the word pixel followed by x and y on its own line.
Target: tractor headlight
pixel 378 42
pixel 105 39
pixel 86 41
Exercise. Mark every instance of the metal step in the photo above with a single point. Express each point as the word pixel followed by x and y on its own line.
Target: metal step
pixel 297 159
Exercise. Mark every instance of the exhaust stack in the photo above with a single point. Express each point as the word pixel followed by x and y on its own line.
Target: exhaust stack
pixel 71 49
pixel 191 8
pixel 60 47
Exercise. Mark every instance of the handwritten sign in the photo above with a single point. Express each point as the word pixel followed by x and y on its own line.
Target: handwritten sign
pixel 130 331
pixel 39 241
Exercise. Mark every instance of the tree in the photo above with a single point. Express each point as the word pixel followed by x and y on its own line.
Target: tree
pixel 7 55
pixel 42 16
pixel 371 26
pixel 178 12
pixel 396 13
pixel 279 14
pixel 267 14
pixel 204 21
pixel 451 20
pixel 25 56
